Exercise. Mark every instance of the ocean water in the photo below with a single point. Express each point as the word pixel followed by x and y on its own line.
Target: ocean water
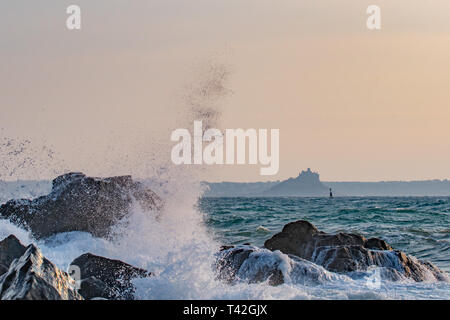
pixel 180 244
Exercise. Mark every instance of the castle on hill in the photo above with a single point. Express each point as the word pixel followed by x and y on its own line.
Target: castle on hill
pixel 307 184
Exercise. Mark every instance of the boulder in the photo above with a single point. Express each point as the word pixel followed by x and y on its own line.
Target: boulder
pixel 344 252
pixel 106 278
pixel 230 263
pixel 33 277
pixel 250 264
pixel 80 203
pixel 10 249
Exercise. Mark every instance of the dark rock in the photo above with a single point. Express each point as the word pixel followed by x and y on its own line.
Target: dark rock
pixel 33 277
pixel 92 287
pixel 378 244
pixel 295 238
pixel 345 252
pixel 302 239
pixel 80 203
pixel 419 270
pixel 251 264
pixel 230 262
pixel 10 249
pixel 348 258
pixel 107 278
pixel 223 248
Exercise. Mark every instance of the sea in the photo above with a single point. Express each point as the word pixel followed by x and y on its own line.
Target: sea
pixel 180 244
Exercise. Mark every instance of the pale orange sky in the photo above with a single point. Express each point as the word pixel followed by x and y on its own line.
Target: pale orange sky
pixel 351 103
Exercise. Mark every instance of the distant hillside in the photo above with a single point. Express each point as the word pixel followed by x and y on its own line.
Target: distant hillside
pixel 233 189
pixel 308 184
pixel 33 189
pixel 392 188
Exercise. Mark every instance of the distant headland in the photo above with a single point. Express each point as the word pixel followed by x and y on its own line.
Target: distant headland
pixel 308 184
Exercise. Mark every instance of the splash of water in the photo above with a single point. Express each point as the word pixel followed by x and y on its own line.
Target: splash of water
pixel 28 159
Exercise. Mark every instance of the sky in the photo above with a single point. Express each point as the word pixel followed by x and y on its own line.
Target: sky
pixel 353 104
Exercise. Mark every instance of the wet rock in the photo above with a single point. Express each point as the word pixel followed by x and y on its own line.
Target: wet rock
pixel 229 266
pixel 225 247
pixel 80 203
pixel 251 264
pixel 33 277
pixel 93 288
pixel 229 261
pixel 10 249
pixel 378 244
pixel 107 278
pixel 420 270
pixel 344 252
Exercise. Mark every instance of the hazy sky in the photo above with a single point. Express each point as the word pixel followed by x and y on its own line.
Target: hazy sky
pixel 351 103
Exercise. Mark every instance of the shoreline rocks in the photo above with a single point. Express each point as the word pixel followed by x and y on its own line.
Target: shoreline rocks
pixel 106 278
pixel 80 203
pixel 10 249
pixel 25 274
pixel 251 264
pixel 33 277
pixel 345 252
pixel 302 253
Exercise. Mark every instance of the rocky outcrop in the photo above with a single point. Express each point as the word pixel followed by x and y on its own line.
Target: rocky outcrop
pixel 344 252
pixel 307 184
pixel 25 274
pixel 10 249
pixel 250 264
pixel 33 277
pixel 230 261
pixel 106 278
pixel 80 203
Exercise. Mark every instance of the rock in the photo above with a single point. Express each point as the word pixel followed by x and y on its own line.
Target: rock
pixel 420 270
pixel 10 249
pixel 33 277
pixel 230 267
pixel 344 252
pixel 93 288
pixel 107 278
pixel 223 248
pixel 80 203
pixel 251 264
pixel 229 261
pixel 378 244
